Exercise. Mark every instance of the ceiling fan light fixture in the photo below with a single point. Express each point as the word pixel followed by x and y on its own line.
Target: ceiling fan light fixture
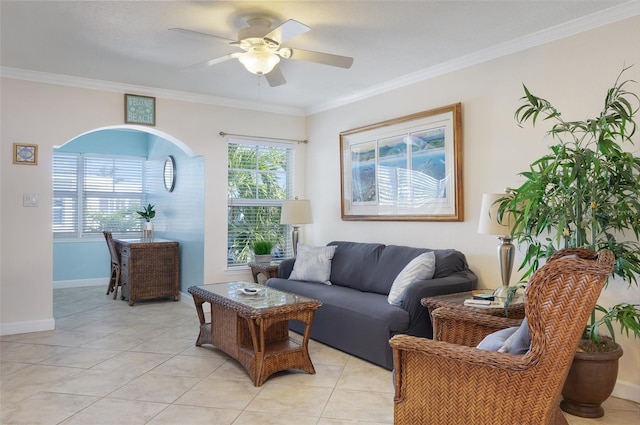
pixel 259 62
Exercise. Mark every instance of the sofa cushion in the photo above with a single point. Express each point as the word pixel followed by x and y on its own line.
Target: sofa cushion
pixel 313 264
pixel 393 259
pixel 354 264
pixel 420 268
pixel 347 304
pixel 448 262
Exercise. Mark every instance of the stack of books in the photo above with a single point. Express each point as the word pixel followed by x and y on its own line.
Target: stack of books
pixel 483 300
pixel 472 302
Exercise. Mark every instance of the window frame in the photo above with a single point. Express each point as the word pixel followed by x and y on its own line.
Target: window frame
pixel 289 148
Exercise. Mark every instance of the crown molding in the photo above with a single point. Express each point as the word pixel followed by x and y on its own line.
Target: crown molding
pixel 586 23
pixel 87 83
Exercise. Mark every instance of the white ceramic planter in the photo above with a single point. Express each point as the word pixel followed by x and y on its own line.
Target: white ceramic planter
pixel 266 258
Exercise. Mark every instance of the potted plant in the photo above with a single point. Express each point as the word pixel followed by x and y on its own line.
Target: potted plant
pixel 584 193
pixel 262 251
pixel 147 213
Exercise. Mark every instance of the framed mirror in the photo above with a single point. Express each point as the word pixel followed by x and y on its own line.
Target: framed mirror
pixel 170 173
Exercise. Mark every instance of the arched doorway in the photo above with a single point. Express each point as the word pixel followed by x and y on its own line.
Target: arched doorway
pixel 180 212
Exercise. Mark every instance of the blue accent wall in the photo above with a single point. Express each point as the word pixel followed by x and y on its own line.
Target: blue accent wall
pixel 179 214
pixel 80 260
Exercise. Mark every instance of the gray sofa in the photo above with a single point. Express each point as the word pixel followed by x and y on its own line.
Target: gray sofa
pixel 355 316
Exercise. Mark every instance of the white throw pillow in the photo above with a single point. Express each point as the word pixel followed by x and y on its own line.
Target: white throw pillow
pixel 313 264
pixel 421 267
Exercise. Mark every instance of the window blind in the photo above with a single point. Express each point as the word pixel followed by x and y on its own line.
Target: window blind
pixel 96 193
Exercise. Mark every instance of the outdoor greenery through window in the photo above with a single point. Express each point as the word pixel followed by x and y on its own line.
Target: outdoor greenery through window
pixel 93 193
pixel 259 179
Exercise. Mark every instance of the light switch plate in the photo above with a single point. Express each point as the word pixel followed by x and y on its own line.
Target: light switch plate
pixel 29 200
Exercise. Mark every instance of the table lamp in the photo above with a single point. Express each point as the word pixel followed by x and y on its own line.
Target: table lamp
pixel 296 212
pixel 489 225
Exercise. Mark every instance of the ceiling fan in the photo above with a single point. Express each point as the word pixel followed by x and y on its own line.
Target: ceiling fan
pixel 262 49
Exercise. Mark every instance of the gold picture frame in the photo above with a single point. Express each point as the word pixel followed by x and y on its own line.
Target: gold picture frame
pixel 25 154
pixel 404 169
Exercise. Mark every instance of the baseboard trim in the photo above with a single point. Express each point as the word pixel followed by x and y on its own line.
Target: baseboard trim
pixel 187 299
pixel 77 283
pixel 27 327
pixel 627 391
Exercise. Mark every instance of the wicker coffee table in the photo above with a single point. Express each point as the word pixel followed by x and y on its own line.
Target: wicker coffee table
pixel 254 329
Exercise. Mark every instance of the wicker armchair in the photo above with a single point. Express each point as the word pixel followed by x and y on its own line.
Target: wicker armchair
pixel 443 383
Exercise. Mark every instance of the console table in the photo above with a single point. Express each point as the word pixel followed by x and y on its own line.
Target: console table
pixel 150 269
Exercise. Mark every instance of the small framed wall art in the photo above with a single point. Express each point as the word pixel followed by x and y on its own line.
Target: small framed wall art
pixel 139 109
pixel 25 154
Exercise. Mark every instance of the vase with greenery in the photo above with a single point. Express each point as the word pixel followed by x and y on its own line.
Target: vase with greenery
pixel 584 193
pixel 262 251
pixel 148 213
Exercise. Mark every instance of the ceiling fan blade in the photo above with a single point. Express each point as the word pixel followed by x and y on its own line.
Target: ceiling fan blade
pixel 210 62
pixel 201 34
pixel 287 30
pixel 275 77
pixel 323 58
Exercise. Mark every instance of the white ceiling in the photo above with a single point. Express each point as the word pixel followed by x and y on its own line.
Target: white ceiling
pixel 393 42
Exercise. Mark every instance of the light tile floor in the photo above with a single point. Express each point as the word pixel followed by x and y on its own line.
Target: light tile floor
pixel 108 363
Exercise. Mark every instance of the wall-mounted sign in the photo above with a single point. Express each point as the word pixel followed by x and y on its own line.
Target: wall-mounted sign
pixel 139 109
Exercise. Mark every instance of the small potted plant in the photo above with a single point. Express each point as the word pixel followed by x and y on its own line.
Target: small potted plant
pixel 147 213
pixel 262 251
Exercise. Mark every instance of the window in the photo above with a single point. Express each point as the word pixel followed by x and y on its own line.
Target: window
pixel 259 178
pixel 93 193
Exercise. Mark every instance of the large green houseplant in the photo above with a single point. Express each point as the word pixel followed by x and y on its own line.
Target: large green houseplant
pixel 584 193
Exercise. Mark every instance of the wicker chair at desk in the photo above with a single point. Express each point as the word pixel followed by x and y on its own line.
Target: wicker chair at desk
pixel 442 382
pixel 116 268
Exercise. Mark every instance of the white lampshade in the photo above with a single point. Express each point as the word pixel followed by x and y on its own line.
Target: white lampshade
pixel 296 211
pixel 259 62
pixel 489 224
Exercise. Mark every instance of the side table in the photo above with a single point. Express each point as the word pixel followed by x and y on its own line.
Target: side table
pixel 448 327
pixel 516 310
pixel 263 271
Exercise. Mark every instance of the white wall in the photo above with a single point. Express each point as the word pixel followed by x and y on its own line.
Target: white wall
pixel 49 115
pixel 572 73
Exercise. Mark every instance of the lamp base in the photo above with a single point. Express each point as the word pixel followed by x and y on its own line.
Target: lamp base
pixel 294 239
pixel 506 253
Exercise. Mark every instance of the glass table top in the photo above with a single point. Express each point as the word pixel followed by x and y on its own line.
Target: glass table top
pixel 263 298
